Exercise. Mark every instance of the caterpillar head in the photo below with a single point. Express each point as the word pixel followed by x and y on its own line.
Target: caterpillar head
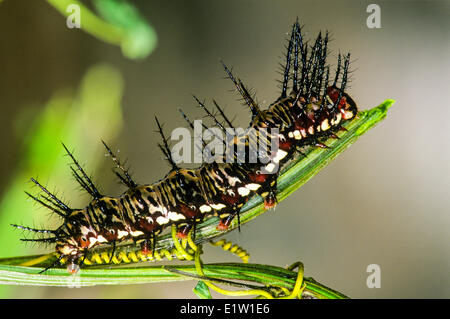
pixel 76 237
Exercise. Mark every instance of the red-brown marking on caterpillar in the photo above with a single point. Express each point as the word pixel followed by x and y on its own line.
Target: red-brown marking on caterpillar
pixel 258 178
pixel 223 225
pixel 145 248
pixel 270 202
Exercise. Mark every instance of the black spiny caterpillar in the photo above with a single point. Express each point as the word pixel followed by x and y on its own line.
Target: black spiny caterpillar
pixel 314 109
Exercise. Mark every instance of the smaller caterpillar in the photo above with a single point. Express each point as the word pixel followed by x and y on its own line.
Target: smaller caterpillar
pixel 313 111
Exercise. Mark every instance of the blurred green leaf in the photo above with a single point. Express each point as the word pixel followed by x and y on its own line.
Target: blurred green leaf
pixel 120 24
pixel 140 39
pixel 78 119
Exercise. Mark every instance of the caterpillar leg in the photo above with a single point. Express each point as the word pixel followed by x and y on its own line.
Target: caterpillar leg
pixel 321 145
pixel 179 247
pixel 183 231
pixel 146 247
pixel 334 136
pixel 187 247
pixel 225 223
pixel 270 199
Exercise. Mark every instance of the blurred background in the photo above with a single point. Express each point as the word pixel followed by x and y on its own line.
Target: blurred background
pixel 384 201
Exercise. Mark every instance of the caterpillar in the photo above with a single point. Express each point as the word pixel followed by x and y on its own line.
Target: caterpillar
pixel 313 109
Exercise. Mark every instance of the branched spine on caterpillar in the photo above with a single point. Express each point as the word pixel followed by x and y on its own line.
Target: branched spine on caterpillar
pixel 314 109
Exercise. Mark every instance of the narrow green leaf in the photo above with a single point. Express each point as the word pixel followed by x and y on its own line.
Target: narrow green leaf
pixel 202 290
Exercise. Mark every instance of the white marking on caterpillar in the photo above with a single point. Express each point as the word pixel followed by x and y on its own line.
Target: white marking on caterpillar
pixel 348 115
pixel 218 206
pixel 303 132
pixel 279 156
pixel 175 216
pixel 101 239
pixel 243 191
pixel 94 239
pixel 232 180
pixel 270 167
pixel 252 186
pixel 84 230
pixel 66 250
pixel 152 208
pixel 336 119
pixel 205 208
pixel 325 126
pixel 141 206
pixel 121 234
pixel 162 220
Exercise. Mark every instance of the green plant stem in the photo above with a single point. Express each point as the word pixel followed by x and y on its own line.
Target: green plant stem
pixel 91 23
pixel 121 25
pixel 263 274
